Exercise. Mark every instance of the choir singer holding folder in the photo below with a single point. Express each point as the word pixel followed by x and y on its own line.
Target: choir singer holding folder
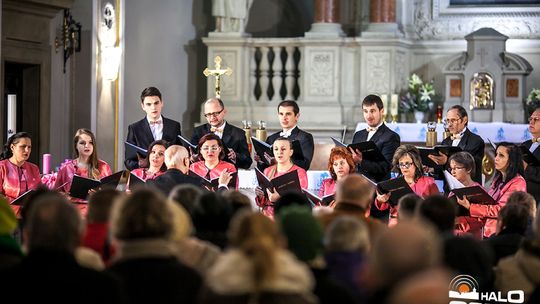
pixel 17 175
pixel 233 137
pixel 283 152
pixel 212 152
pixel 407 163
pixel 340 164
pixel 153 127
pixel 508 178
pixel 86 164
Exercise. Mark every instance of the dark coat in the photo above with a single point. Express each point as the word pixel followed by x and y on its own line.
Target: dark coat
pixel 532 174
pixel 471 143
pixel 171 178
pixel 139 134
pixel 387 141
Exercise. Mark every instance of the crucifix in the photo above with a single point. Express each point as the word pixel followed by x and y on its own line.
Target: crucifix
pixel 482 54
pixel 217 72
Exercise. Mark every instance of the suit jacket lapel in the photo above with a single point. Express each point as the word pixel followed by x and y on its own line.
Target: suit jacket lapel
pixel 378 133
pixel 464 140
pixel 147 132
pixel 227 133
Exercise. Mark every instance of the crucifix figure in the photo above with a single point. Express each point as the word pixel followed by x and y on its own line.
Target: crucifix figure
pixel 217 72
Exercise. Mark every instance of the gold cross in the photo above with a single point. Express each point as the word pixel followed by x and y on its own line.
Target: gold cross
pixel 217 72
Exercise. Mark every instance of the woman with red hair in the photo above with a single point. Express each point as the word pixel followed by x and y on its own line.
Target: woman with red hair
pixel 340 164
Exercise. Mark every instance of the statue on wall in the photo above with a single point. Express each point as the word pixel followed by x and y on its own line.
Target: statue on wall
pixel 482 91
pixel 231 15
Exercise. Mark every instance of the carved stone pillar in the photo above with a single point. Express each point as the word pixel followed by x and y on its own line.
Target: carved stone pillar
pixel 382 19
pixel 326 23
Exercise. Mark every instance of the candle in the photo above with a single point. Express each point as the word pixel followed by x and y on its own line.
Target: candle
pixel 46 164
pixel 384 98
pixel 394 104
pixel 12 115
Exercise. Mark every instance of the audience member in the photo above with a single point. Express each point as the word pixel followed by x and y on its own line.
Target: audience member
pixel 511 226
pixel 407 206
pixel 186 195
pixel 440 212
pixel 211 217
pixel 10 251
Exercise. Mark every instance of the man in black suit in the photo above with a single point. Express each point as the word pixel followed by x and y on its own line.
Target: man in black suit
pixel 289 113
pixel 457 120
pixel 532 172
pixel 177 162
pixel 385 139
pixel 153 127
pixel 233 137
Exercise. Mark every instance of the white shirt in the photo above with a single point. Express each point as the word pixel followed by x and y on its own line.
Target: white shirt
pixel 371 133
pixel 534 146
pixel 157 129
pixel 221 128
pixel 455 142
pixel 286 134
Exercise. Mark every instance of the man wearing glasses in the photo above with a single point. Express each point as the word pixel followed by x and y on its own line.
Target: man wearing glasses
pixel 532 172
pixel 457 120
pixel 153 127
pixel 233 137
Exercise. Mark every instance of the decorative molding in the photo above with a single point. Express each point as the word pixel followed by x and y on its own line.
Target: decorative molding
pixel 377 67
pixel 321 74
pixel 401 72
pixel 443 22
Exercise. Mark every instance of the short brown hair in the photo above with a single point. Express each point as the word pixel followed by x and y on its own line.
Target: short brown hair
pixel 150 91
pixel 413 153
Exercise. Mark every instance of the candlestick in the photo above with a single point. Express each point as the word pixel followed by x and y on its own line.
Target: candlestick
pixel 394 104
pixel 46 164
pixel 12 115
pixel 384 99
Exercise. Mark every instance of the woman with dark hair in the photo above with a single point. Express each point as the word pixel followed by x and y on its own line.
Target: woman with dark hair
pixel 17 175
pixel 155 161
pixel 508 179
pixel 283 152
pixel 340 164
pixel 86 164
pixel 212 151
pixel 408 164
pixel 463 167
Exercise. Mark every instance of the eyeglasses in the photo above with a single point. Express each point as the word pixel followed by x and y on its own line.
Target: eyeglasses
pixel 452 120
pixel 212 148
pixel 456 168
pixel 405 165
pixel 533 119
pixel 208 115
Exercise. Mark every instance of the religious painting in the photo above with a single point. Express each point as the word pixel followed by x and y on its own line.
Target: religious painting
pixel 482 88
pixel 455 87
pixel 512 88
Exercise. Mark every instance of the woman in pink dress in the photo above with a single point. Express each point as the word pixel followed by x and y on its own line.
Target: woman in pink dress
pixel 17 175
pixel 282 148
pixel 508 179
pixel 212 152
pixel 154 162
pixel 462 167
pixel 340 164
pixel 86 164
pixel 407 163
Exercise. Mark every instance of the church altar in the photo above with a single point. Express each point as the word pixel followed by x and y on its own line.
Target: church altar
pixel 494 131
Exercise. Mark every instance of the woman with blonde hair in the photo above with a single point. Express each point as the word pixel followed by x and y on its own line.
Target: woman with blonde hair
pixel 86 164
pixel 257 269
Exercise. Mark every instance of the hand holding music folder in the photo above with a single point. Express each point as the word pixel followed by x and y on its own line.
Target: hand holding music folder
pixel 262 148
pixel 397 187
pixel 528 157
pixel 80 186
pixel 213 184
pixel 288 182
pixel 369 149
pixel 320 201
pixel 443 149
pixel 134 152
pixel 135 181
pixel 475 195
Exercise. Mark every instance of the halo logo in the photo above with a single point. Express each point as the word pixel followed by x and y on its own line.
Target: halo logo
pixel 466 287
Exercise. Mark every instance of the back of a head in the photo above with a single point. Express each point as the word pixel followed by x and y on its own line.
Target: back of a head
pixel 238 200
pixel 303 232
pixel 100 205
pixel 289 199
pixel 355 189
pixel 186 195
pixel 407 205
pixel 347 233
pixel 523 198
pixel 212 213
pixel 514 217
pixel 145 214
pixel 439 211
pixel 53 224
pixel 258 238
pixel 174 155
pixel 406 249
